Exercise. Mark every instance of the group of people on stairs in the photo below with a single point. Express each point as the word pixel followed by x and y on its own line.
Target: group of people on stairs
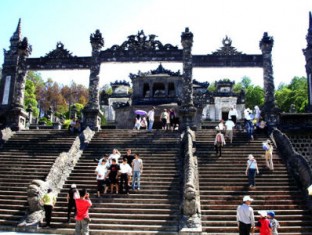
pixel 266 224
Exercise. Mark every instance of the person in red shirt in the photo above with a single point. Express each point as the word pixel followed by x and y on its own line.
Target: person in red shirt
pixel 82 217
pixel 264 224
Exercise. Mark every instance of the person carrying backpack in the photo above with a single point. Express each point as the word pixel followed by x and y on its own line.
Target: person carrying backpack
pixel 219 142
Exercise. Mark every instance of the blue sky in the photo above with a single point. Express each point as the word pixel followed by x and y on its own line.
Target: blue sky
pixel 45 22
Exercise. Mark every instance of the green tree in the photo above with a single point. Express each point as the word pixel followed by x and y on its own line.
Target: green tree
pixel 30 93
pixel 294 93
pixel 254 95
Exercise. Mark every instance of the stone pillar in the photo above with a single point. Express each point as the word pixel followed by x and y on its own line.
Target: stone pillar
pixel 266 45
pixel 92 111
pixel 270 112
pixel 308 57
pixel 187 110
pixel 15 74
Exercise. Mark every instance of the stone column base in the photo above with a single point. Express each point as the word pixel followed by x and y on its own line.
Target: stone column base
pixel 92 119
pixel 187 118
pixel 16 119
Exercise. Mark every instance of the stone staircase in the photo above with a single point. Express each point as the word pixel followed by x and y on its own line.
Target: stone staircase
pixel 152 210
pixel 223 184
pixel 28 155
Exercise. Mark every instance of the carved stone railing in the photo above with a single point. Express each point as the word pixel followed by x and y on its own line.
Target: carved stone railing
pixel 299 166
pixel 191 216
pixel 55 180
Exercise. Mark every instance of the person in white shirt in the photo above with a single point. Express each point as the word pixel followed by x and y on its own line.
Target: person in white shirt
pixel 114 155
pixel 137 167
pixel 233 114
pixel 229 125
pixel 151 118
pixel 245 216
pixel 125 172
pixel 100 172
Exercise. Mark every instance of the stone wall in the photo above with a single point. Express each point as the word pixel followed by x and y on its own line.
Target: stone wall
pixel 298 165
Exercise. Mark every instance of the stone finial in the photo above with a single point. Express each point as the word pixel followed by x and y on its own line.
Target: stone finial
pixel 96 40
pixel 266 43
pixel 187 36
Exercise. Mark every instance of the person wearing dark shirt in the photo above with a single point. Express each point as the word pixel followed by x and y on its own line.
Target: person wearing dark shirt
pixel 71 196
pixel 129 156
pixel 112 175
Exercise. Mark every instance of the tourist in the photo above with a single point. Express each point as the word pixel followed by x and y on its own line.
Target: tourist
pixel 137 169
pixel 163 119
pixel 151 118
pixel 172 119
pixel 219 142
pixel 72 194
pixel 274 223
pixel 137 122
pixel 143 123
pixel 168 120
pixel 114 155
pixel 99 161
pixel 221 126
pixel 129 158
pixel 125 172
pixel 248 123
pixel 100 172
pixel 263 224
pixel 245 217
pixel 82 217
pixel 251 170
pixel 48 201
pixel 257 113
pixel 268 148
pixel 229 126
pixel 112 175
pixel 233 114
pixel 72 125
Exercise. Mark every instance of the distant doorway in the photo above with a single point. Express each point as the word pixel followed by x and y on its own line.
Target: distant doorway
pixel 225 116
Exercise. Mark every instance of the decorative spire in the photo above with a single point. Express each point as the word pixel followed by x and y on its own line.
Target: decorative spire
pixel 309 35
pixel 17 34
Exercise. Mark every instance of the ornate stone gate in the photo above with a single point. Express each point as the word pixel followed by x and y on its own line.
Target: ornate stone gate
pixel 138 48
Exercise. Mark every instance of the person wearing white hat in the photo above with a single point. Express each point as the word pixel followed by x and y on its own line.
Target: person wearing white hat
pixel 251 170
pixel 245 217
pixel 264 224
pixel 72 194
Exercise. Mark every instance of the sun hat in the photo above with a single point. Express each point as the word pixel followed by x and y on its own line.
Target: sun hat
pixel 271 213
pixel 251 157
pixel 73 186
pixel 247 198
pixel 263 213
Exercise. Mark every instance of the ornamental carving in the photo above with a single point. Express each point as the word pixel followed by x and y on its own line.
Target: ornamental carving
pixel 59 52
pixel 24 48
pixel 141 42
pixel 227 48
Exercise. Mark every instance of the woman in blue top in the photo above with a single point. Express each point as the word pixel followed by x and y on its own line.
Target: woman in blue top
pixel 251 170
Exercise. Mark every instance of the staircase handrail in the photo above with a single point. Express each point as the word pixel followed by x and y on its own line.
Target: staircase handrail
pixel 59 172
pixel 297 164
pixel 191 215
